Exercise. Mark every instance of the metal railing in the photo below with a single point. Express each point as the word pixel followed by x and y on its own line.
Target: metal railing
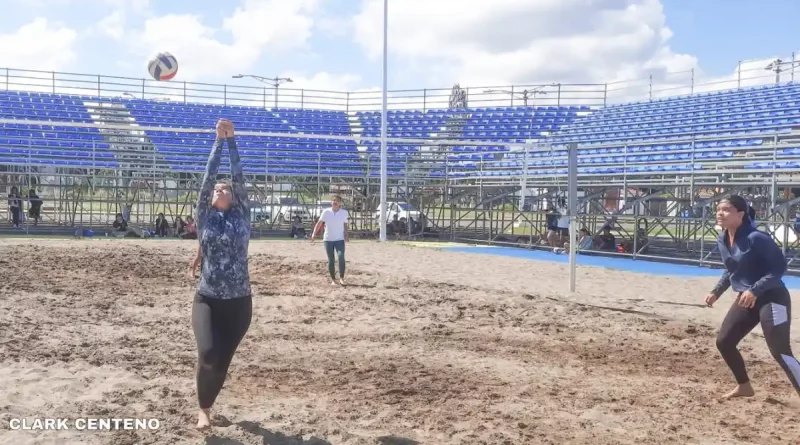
pixel 747 74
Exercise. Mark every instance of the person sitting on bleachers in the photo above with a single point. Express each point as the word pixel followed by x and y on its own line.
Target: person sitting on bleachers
pixel 585 242
pixel 122 229
pixel 120 225
pixel 35 210
pixel 606 240
pixel 415 226
pixel 162 226
pixel 179 226
pixel 298 231
pixel 395 227
pixel 191 229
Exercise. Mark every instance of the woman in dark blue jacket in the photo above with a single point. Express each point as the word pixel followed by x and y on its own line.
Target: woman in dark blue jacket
pixel 754 266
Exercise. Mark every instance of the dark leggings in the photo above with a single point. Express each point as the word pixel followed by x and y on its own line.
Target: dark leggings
pixel 774 311
pixel 219 325
pixel 16 212
pixel 330 246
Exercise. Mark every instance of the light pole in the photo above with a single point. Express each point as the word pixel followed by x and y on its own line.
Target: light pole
pixel 384 156
pixel 274 82
pixel 779 66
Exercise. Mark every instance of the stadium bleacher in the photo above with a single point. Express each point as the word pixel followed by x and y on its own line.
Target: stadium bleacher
pixel 677 134
pixel 24 144
pixel 736 129
pixel 278 155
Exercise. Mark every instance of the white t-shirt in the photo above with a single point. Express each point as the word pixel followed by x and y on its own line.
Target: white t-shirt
pixel 334 224
pixel 563 220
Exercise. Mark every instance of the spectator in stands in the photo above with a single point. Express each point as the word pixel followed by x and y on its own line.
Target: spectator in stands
pixel 120 225
pixel 298 231
pixel 179 226
pixel 123 230
pixel 35 210
pixel 191 229
pixel 162 226
pixel 585 242
pixel 606 240
pixel 395 227
pixel 415 227
pixel 15 206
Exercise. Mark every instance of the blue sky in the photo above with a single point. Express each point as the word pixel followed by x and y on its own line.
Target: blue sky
pixel 720 32
pixel 335 44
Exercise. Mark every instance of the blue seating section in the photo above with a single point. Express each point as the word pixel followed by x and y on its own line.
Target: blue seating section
pixel 655 136
pixel 274 155
pixel 518 124
pixel 27 144
pixel 643 138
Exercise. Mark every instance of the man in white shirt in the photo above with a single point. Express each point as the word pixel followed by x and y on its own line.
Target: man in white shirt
pixel 335 220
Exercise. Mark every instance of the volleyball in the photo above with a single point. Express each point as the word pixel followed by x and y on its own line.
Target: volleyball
pixel 164 66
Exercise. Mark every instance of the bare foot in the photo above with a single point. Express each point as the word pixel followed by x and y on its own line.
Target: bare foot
pixel 204 419
pixel 341 281
pixel 334 283
pixel 743 390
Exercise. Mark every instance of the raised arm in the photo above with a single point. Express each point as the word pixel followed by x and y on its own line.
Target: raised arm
pixel 237 176
pixel 210 178
pixel 772 257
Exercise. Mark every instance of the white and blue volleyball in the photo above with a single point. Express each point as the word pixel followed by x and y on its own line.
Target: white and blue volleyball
pixel 163 66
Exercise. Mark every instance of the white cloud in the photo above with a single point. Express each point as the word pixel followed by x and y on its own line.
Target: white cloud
pixel 38 45
pixel 277 24
pixel 503 42
pixel 256 27
pixel 321 90
pixel 324 81
pixel 136 6
pixel 747 73
pixel 113 25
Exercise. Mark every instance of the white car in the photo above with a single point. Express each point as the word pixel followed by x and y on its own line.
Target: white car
pixel 403 210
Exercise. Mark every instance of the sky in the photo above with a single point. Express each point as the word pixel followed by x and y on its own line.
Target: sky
pixel 336 45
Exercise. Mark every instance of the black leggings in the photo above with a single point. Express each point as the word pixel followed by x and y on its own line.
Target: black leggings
pixel 774 311
pixel 16 212
pixel 219 325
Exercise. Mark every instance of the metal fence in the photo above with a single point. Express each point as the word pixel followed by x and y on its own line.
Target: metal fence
pixel 747 73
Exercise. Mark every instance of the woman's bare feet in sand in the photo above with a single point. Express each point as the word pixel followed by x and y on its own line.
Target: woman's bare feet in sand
pixel 204 419
pixel 341 281
pixel 743 390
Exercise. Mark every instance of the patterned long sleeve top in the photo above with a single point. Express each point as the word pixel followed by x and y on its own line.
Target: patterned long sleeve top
pixel 224 235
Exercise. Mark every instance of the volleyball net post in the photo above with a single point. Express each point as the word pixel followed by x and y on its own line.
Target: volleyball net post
pixel 572 195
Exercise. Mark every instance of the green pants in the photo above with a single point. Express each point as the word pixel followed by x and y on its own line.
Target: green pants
pixel 338 246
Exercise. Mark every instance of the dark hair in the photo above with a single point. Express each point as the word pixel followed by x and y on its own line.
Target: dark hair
pixel 741 205
pixel 737 202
